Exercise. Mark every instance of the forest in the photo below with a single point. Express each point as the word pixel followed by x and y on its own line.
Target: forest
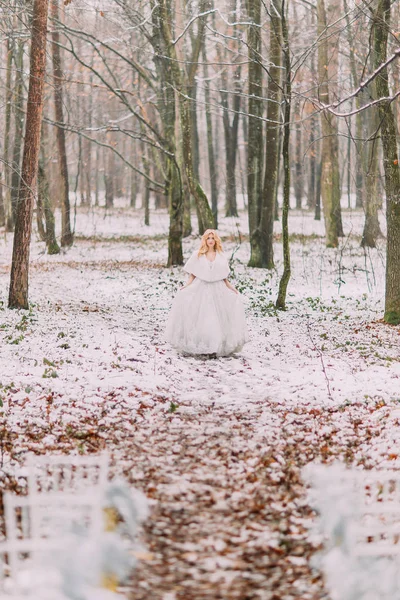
pixel 128 128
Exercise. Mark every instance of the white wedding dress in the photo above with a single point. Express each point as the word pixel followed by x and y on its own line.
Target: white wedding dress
pixel 207 317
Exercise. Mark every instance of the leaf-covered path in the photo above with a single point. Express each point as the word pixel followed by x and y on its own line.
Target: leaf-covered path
pixel 216 445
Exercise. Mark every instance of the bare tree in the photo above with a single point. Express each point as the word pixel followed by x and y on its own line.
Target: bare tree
pixel 330 180
pixel 66 233
pixel 380 30
pixel 262 213
pixel 19 281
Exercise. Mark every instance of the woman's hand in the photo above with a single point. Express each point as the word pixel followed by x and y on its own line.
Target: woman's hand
pixel 230 286
pixel 190 280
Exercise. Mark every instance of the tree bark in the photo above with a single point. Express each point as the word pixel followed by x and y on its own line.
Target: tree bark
pixel 146 183
pixel 380 26
pixel 298 163
pixel 45 216
pixel 312 167
pixel 254 132
pixel 358 116
pixel 7 129
pixel 330 179
pixel 133 187
pixel 210 146
pixel 18 131
pixel 204 213
pixel 287 97
pixel 66 233
pixel 19 281
pixel 231 144
pixel 261 218
pixel 372 229
pixel 167 110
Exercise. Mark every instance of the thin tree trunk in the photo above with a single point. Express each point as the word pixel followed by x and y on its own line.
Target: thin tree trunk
pixel 9 222
pixel 133 179
pixel 231 144
pixel 283 284
pixel 348 166
pixel 311 190
pixel 391 164
pixel 211 157
pixel 47 230
pixel 298 164
pixel 18 135
pixel 97 181
pixel 255 132
pixel 66 233
pixel 146 183
pixel 358 117
pixel 192 93
pixel 371 226
pixel 262 216
pixel 187 216
pixel 278 180
pixel 317 215
pixel 45 217
pixel 312 175
pixel 19 280
pixel 167 110
pixel 205 216
pixel 330 180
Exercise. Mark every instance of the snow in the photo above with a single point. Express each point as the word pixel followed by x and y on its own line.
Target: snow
pixel 216 445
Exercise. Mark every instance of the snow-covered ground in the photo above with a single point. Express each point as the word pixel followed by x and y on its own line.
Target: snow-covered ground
pixel 217 445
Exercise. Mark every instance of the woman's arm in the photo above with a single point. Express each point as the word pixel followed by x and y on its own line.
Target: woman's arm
pixel 189 281
pixel 230 286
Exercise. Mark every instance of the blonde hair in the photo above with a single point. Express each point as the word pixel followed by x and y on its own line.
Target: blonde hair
pixel 203 244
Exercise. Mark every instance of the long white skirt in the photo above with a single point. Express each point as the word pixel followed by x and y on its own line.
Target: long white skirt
pixel 207 318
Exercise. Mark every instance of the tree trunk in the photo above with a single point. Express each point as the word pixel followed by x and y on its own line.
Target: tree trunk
pixel 231 143
pixel 317 215
pixel 146 183
pixel 283 284
pixel 204 213
pixel 254 132
pixel 298 165
pixel 312 164
pixel 48 229
pixel 230 163
pixel 192 93
pixel 391 164
pixel 312 172
pixel 371 226
pixel 133 180
pixel 358 117
pixel 19 281
pixel 167 111
pixel 18 136
pixel 187 216
pixel 210 147
pixel 330 179
pixel 87 155
pixel 66 233
pixel 261 235
pixel 9 222
pixel 97 177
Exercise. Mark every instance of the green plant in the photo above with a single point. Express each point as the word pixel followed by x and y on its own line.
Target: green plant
pixel 49 373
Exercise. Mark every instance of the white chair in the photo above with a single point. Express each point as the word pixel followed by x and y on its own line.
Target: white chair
pixel 58 473
pixel 40 529
pixel 360 522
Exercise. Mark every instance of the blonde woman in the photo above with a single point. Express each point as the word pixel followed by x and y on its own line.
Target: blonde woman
pixel 207 314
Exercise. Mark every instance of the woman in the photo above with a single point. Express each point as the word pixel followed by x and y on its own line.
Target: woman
pixel 207 315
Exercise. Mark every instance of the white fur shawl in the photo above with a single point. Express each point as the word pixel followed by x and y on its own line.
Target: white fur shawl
pixel 206 270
